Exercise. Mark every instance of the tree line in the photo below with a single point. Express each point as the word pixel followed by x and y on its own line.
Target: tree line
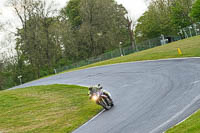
pixel 165 17
pixel 50 38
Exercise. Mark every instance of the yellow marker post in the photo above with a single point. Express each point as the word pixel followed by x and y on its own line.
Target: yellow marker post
pixel 179 51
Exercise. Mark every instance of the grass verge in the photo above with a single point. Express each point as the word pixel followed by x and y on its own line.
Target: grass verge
pixel 191 125
pixel 53 108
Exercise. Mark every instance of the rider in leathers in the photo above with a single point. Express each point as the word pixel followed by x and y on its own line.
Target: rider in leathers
pixel 97 88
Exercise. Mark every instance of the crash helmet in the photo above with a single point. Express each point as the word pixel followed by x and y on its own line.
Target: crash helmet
pixel 90 88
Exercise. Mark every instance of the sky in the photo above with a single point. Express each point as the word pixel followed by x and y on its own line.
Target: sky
pixel 135 9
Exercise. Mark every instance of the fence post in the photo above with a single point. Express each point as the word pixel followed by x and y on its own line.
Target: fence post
pixel 190 27
pixel 162 39
pixel 111 54
pixel 55 71
pixel 149 44
pixel 186 36
pixel 120 48
pixel 20 78
pixel 195 29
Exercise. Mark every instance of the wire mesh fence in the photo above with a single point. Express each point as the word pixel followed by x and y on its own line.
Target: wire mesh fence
pixel 192 30
pixel 113 54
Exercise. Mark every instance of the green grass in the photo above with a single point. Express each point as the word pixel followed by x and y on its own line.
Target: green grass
pixel 191 125
pixel 190 48
pixel 54 108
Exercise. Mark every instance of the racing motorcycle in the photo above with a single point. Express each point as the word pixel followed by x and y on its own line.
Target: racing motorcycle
pixel 102 99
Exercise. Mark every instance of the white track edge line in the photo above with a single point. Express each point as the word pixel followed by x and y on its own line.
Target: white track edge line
pixel 89 120
pixel 183 120
pixel 177 114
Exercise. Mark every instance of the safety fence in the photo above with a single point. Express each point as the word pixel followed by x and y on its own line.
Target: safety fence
pixel 113 54
pixel 187 32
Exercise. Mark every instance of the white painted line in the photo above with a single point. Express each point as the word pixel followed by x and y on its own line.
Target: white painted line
pixel 177 114
pixel 90 120
pixel 184 119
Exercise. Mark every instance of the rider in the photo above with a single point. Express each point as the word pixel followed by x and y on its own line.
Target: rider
pixel 94 89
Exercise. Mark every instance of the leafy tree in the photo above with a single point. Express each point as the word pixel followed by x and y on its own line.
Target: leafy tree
pixel 103 25
pixel 195 12
pixel 38 46
pixel 163 17
pixel 83 29
pixel 72 12
pixel 180 10
pixel 155 21
pixel 1 75
pixel 6 74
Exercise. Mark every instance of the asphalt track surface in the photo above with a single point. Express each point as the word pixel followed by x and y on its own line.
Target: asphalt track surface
pixel 149 97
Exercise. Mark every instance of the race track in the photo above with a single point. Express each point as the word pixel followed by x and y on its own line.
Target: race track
pixel 149 97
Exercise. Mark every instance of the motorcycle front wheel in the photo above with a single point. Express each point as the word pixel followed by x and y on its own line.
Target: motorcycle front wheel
pixel 104 104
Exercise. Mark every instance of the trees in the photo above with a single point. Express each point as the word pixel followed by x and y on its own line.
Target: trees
pixel 163 17
pixel 179 16
pixel 98 26
pixel 37 45
pixel 82 29
pixel 195 12
pixel 1 24
pixel 72 11
pixel 1 75
pixel 6 73
pixel 155 21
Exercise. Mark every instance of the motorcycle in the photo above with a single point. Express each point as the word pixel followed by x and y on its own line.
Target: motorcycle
pixel 101 99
